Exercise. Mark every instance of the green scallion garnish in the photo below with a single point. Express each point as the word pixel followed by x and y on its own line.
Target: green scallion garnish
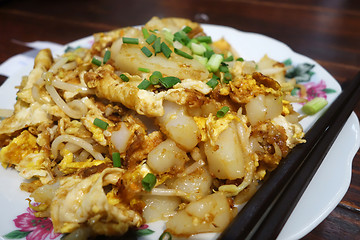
pixel 151 39
pixel 205 39
pixel 181 37
pixel 124 77
pixel 157 46
pixel 240 59
pixel 165 50
pixel 197 49
pixel 169 82
pixel 202 60
pixel 213 82
pixel 107 56
pixel 165 236
pixel 144 84
pixel 223 68
pixel 148 182
pixel 314 106
pixel 229 58
pixel 146 51
pixel 183 54
pixel 214 62
pixel 100 123
pixel 227 77
pixel 169 37
pixel 96 61
pixel 130 40
pixel 155 77
pixel 208 54
pixel 221 113
pixel 146 70
pixel 186 29
pixel 116 159
pixel 145 33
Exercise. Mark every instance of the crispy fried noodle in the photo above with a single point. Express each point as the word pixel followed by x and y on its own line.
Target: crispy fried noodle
pixel 151 123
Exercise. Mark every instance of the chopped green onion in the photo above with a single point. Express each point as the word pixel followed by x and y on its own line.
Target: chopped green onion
pixel 221 113
pixel 227 77
pixel 165 236
pixel 287 62
pixel 214 62
pixel 145 33
pixel 197 48
pixel 207 46
pixel 146 51
pixel 107 56
pixel 144 84
pixel 155 77
pixel 183 54
pixel 146 70
pixel 154 31
pixel 169 82
pixel 186 29
pixel 213 82
pixel 151 39
pixel 116 159
pixel 229 58
pixel 169 37
pixel 314 106
pixel 130 40
pixel 148 182
pixel 202 60
pixel 223 68
pixel 165 50
pixel 240 59
pixel 124 77
pixel 208 54
pixel 181 37
pixel 96 61
pixel 100 123
pixel 205 39
pixel 157 46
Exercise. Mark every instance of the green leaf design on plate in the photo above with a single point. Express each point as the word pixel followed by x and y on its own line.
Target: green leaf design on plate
pixel 17 234
pixel 329 90
pixel 143 232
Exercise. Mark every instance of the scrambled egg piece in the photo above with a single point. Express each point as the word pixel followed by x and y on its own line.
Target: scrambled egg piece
pixel 19 148
pixel 67 164
pixel 211 126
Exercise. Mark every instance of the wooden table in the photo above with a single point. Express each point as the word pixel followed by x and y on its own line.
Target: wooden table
pixel 327 31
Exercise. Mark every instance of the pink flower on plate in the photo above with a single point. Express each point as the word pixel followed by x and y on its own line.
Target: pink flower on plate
pixel 314 90
pixel 33 228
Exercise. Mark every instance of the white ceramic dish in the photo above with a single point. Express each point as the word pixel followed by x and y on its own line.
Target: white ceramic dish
pixel 322 195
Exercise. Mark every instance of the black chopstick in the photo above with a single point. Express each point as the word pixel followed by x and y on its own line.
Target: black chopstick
pixel 280 212
pixel 254 212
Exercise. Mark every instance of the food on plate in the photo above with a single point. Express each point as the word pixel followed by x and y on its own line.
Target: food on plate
pixel 159 122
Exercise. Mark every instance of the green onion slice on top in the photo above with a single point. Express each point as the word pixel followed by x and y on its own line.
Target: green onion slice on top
pixel 96 61
pixel 130 40
pixel 144 84
pixel 183 54
pixel 165 50
pixel 116 159
pixel 169 82
pixel 221 113
pixel 146 51
pixel 124 77
pixel 148 182
pixel 107 56
pixel 100 123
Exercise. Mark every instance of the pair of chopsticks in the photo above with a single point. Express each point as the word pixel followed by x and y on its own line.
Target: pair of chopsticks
pixel 268 210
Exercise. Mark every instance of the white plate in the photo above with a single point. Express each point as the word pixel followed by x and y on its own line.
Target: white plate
pixel 326 189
